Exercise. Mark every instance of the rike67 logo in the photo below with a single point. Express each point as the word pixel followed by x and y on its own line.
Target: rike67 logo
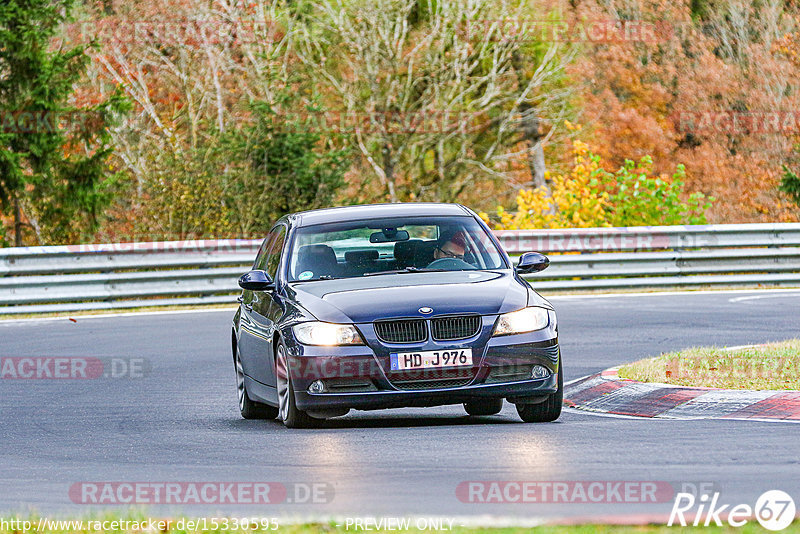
pixel 774 510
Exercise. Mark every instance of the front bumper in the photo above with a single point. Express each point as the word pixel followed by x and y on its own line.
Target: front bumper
pixel 377 400
pixel 359 377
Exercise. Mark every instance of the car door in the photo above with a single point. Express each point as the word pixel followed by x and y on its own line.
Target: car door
pixel 257 308
pixel 253 333
pixel 271 304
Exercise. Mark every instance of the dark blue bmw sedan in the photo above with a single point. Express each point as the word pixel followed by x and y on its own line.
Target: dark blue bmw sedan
pixel 393 305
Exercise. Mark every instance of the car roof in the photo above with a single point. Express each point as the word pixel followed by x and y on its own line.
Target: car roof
pixel 377 211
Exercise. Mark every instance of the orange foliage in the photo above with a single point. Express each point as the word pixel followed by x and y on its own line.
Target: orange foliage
pixel 633 95
pixel 629 95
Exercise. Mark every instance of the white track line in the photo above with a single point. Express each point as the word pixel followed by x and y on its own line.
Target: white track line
pixel 66 316
pixel 759 297
pixel 771 292
pixel 576 380
pixel 766 292
pixel 609 415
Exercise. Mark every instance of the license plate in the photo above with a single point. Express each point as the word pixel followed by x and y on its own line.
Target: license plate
pixel 429 359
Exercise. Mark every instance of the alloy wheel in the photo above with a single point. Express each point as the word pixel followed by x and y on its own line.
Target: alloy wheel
pixel 240 381
pixel 282 375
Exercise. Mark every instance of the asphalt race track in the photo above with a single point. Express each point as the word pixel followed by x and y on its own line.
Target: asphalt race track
pixel 180 422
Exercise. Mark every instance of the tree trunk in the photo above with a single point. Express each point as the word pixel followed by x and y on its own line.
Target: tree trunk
pixel 388 169
pixel 536 162
pixel 531 130
pixel 17 223
pixel 532 134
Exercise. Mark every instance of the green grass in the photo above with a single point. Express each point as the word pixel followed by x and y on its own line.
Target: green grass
pixel 557 529
pixel 319 528
pixel 775 366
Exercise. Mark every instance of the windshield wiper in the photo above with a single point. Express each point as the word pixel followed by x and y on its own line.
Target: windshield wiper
pixel 323 277
pixel 407 270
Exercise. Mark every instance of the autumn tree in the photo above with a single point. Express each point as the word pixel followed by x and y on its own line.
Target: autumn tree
pixel 436 94
pixel 191 68
pixel 285 165
pixel 673 96
pixel 54 155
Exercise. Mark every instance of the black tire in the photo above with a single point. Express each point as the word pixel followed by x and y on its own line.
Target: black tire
pixel 288 412
pixel 249 409
pixel 546 411
pixel 484 406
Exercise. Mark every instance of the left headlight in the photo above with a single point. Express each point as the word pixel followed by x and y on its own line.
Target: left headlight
pixel 521 321
pixel 318 333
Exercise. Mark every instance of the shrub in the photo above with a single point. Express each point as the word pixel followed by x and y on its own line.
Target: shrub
pixel 590 196
pixel 573 200
pixel 790 184
pixel 640 198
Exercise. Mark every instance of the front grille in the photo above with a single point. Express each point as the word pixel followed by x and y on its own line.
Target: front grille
pixel 457 327
pixel 511 373
pixel 433 384
pixel 432 378
pixel 401 331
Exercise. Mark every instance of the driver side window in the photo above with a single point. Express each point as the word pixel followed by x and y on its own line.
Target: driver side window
pixel 263 252
pixel 275 251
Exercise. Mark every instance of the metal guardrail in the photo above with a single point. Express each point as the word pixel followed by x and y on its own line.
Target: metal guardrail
pixel 125 275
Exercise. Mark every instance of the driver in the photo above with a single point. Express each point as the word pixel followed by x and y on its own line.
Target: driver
pixel 451 244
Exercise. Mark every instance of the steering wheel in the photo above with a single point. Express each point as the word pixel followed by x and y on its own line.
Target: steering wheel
pixel 450 264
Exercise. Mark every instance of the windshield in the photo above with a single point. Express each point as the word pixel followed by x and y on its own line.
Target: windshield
pixel 409 244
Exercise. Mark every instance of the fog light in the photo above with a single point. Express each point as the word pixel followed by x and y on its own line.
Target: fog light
pixel 539 371
pixel 317 386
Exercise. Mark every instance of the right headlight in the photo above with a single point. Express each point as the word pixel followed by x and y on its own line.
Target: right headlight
pixel 521 321
pixel 326 334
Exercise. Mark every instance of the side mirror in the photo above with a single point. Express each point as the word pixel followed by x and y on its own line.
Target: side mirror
pixel 256 281
pixel 532 262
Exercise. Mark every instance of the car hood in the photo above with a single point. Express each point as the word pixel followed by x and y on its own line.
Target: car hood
pixel 369 298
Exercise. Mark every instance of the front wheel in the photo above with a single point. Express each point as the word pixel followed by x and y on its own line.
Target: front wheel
pixel 546 411
pixel 288 412
pixel 248 408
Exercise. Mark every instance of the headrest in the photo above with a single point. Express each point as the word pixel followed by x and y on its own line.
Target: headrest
pixel 361 256
pixel 404 250
pixel 320 251
pixel 318 260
